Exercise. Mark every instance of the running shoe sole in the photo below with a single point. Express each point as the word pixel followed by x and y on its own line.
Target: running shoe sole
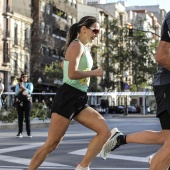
pixel 108 146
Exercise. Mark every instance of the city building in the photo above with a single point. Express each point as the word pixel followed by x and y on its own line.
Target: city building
pixel 51 21
pixel 15 29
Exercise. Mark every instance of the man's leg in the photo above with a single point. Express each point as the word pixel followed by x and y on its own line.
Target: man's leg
pixel 57 129
pixel 161 159
pixel 146 137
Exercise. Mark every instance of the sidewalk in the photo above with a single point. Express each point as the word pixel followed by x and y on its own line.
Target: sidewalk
pixel 43 124
pixel 34 124
pixel 132 115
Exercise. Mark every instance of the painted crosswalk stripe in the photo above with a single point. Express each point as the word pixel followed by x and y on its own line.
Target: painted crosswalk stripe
pixel 24 161
pixel 121 157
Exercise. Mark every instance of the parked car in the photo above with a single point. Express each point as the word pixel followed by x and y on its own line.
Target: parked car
pixel 138 109
pixel 117 109
pixel 131 109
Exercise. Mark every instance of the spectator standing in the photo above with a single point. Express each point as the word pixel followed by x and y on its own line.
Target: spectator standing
pixel 107 107
pixel 23 91
pixel 104 106
pixel 49 103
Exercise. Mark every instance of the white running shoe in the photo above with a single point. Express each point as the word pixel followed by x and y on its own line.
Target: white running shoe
pixel 79 168
pixel 150 159
pixel 111 143
pixel 19 135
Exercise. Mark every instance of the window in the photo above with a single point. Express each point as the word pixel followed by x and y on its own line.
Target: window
pixel 15 65
pixel 26 64
pixel 70 20
pixel 26 40
pixel 42 6
pixel 56 31
pixel 63 34
pixel 16 34
pixel 42 27
pixel 5 51
pixel 48 29
pixel 43 50
pixel 121 19
pixel 48 8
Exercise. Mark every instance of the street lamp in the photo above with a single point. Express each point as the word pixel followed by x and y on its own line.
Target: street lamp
pixel 39 82
pixel 126 74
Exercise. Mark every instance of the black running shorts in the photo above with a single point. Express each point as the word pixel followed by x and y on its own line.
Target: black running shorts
pixel 164 118
pixel 69 101
pixel 162 95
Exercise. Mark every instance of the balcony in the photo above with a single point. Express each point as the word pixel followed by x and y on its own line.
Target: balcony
pixel 7 13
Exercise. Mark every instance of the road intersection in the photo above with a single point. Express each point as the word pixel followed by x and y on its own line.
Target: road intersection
pixel 15 154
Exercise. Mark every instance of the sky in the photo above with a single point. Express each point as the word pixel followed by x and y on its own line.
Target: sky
pixel 164 4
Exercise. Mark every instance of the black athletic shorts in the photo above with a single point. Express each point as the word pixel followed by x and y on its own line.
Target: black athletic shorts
pixel 162 95
pixel 164 118
pixel 69 101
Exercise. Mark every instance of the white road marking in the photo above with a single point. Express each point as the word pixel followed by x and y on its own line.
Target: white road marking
pixel 50 165
pixel 17 148
pixel 24 161
pixel 121 157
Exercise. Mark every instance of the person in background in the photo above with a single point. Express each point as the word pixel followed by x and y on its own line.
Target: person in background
pixel 24 105
pixel 1 91
pixel 49 103
pixel 104 106
pixel 70 101
pixel 161 87
pixel 107 107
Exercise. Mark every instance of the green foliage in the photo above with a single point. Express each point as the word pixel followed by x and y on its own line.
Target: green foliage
pixel 54 70
pixel 40 111
pixel 122 53
pixel 8 115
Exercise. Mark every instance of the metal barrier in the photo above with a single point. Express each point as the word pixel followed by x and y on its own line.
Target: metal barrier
pixel 113 95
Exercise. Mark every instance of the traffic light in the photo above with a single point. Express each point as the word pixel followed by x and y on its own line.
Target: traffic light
pixel 130 30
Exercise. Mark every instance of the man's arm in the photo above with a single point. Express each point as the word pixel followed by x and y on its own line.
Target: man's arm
pixel 163 54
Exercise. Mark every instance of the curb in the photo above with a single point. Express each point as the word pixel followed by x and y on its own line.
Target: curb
pixel 13 126
pixel 38 124
pixel 46 123
pixel 134 116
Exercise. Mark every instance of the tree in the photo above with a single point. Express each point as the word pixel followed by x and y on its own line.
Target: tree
pixel 52 71
pixel 122 53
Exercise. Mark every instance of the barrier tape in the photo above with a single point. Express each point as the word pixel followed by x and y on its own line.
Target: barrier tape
pixel 100 93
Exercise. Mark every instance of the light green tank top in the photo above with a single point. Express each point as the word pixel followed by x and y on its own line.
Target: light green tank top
pixel 85 64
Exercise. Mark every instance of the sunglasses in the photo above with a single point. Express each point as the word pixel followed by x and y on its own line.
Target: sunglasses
pixel 24 76
pixel 96 31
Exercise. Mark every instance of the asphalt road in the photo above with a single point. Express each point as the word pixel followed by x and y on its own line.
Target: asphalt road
pixel 15 154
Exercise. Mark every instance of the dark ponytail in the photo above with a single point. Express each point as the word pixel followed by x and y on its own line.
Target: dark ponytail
pixel 72 35
pixel 75 29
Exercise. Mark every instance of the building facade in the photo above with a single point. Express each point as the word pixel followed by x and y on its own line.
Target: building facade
pixel 16 29
pixel 51 21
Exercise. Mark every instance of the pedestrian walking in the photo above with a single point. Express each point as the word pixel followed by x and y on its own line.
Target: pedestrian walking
pixel 70 101
pixel 161 86
pixel 23 91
